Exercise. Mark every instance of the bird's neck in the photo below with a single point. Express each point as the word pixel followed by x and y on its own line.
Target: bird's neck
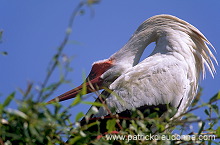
pixel 131 52
pixel 167 42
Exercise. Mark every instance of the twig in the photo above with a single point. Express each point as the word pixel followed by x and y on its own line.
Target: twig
pixel 60 49
pixel 104 104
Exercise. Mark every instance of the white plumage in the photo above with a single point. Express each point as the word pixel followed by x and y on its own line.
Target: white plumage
pixel 169 75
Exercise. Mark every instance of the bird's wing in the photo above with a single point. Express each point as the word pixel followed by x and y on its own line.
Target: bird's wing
pixel 154 81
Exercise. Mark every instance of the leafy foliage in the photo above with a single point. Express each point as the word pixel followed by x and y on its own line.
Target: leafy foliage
pixel 36 122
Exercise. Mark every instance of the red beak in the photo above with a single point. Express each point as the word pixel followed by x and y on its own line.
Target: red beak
pixel 92 83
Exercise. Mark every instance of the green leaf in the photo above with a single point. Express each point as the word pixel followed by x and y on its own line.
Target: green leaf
pixel 141 124
pixel 161 127
pixel 153 115
pixel 75 139
pixel 8 99
pixel 77 100
pixel 201 127
pixel 218 132
pixel 215 98
pixel 111 125
pixel 78 116
pixel 90 2
pixel 207 112
pixel 98 104
pixel 4 53
pixel 84 89
pixel 57 107
pixel 92 124
pixel 215 108
pixel 17 113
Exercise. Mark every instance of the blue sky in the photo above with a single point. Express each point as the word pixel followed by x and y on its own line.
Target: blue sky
pixel 34 29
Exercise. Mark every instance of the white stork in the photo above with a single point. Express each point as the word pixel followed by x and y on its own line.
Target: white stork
pixel 169 75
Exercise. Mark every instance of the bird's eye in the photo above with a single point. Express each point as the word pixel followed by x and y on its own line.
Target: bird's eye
pixel 93 74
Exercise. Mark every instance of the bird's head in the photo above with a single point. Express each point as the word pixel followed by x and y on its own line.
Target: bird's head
pixel 102 74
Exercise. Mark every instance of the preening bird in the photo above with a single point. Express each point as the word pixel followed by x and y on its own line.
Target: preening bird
pixel 169 75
